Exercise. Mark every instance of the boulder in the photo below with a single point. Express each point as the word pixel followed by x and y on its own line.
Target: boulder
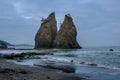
pixel 47 32
pixel 66 36
pixel 111 49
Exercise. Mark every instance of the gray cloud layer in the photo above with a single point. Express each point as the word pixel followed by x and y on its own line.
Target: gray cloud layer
pixel 97 21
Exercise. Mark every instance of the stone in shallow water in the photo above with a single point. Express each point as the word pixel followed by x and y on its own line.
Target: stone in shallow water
pixel 67 68
pixel 111 49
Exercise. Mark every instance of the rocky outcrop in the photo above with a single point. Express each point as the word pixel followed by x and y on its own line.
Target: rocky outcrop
pixel 66 36
pixel 48 37
pixel 47 32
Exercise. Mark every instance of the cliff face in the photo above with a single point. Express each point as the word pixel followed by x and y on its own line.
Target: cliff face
pixel 47 32
pixel 66 36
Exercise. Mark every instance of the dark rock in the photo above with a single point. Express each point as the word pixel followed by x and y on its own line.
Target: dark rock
pixel 6 70
pixel 64 68
pixel 22 56
pixel 12 71
pixel 92 64
pixel 111 49
pixel 48 77
pixel 66 36
pixel 23 72
pixel 82 62
pixel 72 61
pixel 47 32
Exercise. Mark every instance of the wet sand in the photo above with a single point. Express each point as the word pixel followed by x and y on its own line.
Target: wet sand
pixel 12 71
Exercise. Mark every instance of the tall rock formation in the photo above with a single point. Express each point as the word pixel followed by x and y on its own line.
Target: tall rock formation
pixel 47 32
pixel 66 36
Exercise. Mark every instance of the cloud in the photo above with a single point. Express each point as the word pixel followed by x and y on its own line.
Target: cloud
pixel 97 21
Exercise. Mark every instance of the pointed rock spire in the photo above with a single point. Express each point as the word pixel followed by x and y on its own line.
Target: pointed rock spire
pixel 47 32
pixel 66 36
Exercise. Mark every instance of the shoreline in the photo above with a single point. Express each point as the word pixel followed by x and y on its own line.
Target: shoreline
pixel 56 65
pixel 12 71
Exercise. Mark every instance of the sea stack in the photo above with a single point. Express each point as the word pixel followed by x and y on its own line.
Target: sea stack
pixel 47 33
pixel 66 36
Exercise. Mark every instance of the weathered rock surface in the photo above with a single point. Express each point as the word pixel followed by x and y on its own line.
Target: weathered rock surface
pixel 47 32
pixel 48 37
pixel 66 36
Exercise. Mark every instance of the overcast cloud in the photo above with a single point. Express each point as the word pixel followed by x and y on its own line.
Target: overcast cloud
pixel 97 21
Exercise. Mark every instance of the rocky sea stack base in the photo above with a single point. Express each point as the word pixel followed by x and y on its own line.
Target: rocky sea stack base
pixel 48 37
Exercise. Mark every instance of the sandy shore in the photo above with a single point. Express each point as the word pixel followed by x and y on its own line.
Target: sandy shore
pixel 11 71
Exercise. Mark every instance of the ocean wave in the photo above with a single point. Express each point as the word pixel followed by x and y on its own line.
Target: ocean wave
pixel 100 65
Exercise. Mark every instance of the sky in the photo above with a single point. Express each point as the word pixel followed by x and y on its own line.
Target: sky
pixel 97 21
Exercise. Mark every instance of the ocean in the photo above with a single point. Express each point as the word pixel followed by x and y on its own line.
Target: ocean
pixel 89 62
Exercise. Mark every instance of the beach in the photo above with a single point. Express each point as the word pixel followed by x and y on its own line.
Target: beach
pixel 12 71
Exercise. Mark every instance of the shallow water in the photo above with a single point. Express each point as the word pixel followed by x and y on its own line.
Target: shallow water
pixel 102 57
